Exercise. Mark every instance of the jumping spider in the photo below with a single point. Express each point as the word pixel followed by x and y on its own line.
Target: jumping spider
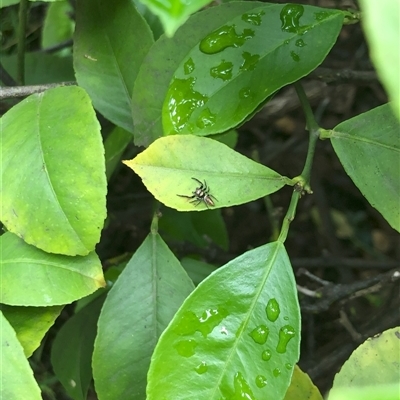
pixel 201 194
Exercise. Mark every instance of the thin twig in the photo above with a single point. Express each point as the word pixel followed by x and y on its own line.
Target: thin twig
pixel 339 76
pixel 23 18
pixel 22 91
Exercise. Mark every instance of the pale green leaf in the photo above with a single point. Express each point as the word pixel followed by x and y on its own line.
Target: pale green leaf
pixel 168 166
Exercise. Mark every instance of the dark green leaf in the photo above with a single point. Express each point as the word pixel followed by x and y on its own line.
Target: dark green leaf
pixel 111 40
pixel 139 306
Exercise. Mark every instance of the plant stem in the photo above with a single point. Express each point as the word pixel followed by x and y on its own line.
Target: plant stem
pixel 22 16
pixel 303 181
pixel 156 217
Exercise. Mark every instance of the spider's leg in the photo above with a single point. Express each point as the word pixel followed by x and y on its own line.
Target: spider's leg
pixel 186 197
pixel 200 182
pixel 196 202
pixel 212 196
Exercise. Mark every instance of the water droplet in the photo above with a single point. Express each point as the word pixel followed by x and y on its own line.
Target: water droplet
pixel 206 118
pixel 266 355
pixel 189 322
pixel 290 16
pixel 201 368
pixel 286 318
pixel 188 67
pixel 276 372
pixel 286 333
pixel 261 381
pixel 242 388
pixel 253 18
pixel 223 38
pixel 249 61
pixel 272 310
pixel 260 334
pixel 186 348
pixel 222 71
pixel 244 93
pixel 294 56
pixel 319 16
pixel 286 41
pixel 182 100
pixel 300 43
pixel 288 366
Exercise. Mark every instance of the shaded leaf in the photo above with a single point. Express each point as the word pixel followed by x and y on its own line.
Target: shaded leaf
pixel 138 308
pixel 111 40
pixel 301 387
pixel 71 354
pixel 169 164
pixel 52 169
pixel 368 147
pixel 17 381
pixel 30 324
pixel 236 336
pixel 31 277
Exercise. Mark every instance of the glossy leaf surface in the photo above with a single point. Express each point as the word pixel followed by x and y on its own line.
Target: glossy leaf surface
pixel 53 175
pixel 368 147
pixel 236 336
pixel 31 277
pixel 17 381
pixel 139 306
pixel 71 354
pixel 169 165
pixel 224 62
pixel 111 40
pixel 30 323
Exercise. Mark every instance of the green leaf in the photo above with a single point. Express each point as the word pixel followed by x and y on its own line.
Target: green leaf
pixel 236 336
pixel 301 387
pixel 381 22
pixel 111 40
pixel 373 363
pixel 114 146
pixel 198 229
pixel 169 164
pixel 17 381
pixel 139 306
pixel 369 149
pixel 30 324
pixel 31 277
pixel 71 354
pixel 41 68
pixel 224 62
pixel 58 25
pixel 173 13
pixel 197 270
pixel 52 169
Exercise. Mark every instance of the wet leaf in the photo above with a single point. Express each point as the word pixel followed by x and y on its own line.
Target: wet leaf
pixel 236 336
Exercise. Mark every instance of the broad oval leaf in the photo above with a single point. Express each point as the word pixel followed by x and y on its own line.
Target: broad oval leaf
pixel 53 172
pixel 224 62
pixel 111 40
pixel 368 147
pixel 72 350
pixel 17 381
pixel 169 165
pixel 236 336
pixel 138 307
pixel 373 363
pixel 30 323
pixel 31 277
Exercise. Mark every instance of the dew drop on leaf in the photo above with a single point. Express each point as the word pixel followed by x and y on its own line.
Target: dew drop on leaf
pixel 188 66
pixel 260 334
pixel 202 368
pixel 294 56
pixel 276 372
pixel 266 355
pixel 286 333
pixel 249 61
pixel 253 18
pixel 261 381
pixel 242 388
pixel 223 38
pixel 222 71
pixel 186 348
pixel 290 17
pixel 272 310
